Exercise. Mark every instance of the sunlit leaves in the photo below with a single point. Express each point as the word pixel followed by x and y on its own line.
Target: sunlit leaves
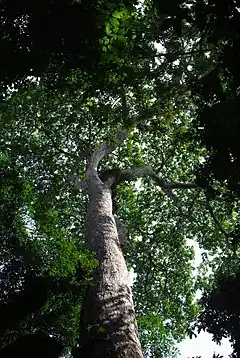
pixel 118 34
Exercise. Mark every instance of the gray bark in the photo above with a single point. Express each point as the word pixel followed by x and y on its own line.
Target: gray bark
pixel 108 325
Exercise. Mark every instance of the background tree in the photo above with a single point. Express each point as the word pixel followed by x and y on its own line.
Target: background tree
pixel 220 310
pixel 33 298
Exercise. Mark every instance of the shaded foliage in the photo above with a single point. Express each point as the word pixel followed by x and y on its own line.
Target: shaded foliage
pixel 105 55
pixel 221 311
pixel 38 344
pixel 51 36
pixel 30 299
pixel 216 93
pixel 213 79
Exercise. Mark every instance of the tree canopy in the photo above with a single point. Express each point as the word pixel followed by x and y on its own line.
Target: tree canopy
pixel 66 90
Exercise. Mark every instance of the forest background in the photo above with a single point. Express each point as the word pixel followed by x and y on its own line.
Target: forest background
pixel 132 107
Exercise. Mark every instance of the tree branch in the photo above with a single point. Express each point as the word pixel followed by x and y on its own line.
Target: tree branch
pixel 130 174
pixel 113 142
pixel 177 54
pixel 122 231
pixel 215 220
pixel 119 176
pixel 55 146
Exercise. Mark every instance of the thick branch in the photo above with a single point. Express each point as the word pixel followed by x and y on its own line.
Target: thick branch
pixel 139 172
pixel 122 231
pixel 113 142
pixel 130 174
pixel 117 176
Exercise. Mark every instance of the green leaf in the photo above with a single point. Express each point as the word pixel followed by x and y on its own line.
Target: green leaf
pixel 121 38
pixel 117 14
pixel 101 330
pixel 108 29
pixel 114 22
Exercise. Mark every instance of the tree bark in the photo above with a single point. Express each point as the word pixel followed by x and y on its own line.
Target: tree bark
pixel 108 325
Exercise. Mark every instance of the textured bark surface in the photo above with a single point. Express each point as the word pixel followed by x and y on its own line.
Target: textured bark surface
pixel 108 325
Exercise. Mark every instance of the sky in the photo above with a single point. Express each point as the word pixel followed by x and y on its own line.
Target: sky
pixel 204 347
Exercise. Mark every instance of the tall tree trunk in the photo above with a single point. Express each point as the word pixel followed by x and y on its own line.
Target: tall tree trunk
pixel 108 325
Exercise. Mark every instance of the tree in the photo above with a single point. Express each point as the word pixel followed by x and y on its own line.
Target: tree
pixel 32 49
pixel 128 120
pixel 68 40
pixel 30 296
pixel 217 95
pixel 220 310
pixel 43 154
pixel 33 344
pixel 213 79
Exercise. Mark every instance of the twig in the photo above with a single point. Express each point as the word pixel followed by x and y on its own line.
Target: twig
pixel 217 223
pixel 53 142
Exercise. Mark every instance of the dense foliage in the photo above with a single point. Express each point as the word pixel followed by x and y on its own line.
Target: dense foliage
pixel 220 310
pixel 70 88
